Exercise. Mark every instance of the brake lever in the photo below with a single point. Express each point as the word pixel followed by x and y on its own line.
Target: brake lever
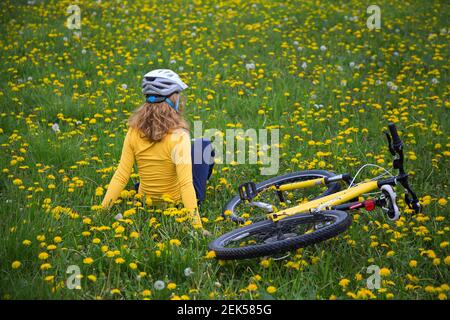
pixel 416 206
pixel 411 199
pixel 413 204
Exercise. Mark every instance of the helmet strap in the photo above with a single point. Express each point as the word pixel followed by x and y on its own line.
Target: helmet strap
pixel 157 99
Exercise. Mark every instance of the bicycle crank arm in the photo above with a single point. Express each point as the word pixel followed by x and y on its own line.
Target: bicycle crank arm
pixel 339 177
pixel 262 205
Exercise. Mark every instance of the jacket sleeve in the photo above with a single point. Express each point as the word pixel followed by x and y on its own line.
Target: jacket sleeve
pixel 122 174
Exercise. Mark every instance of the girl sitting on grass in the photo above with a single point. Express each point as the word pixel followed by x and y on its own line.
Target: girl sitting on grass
pixel 158 140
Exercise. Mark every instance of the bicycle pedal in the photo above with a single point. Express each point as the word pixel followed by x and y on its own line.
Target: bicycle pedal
pixel 247 191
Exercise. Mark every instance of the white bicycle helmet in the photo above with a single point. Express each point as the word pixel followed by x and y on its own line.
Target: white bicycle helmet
pixel 162 82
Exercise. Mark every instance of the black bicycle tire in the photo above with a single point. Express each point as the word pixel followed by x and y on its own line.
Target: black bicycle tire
pixel 332 188
pixel 343 222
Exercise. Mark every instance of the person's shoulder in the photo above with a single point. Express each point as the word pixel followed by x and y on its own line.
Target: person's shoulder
pixel 134 136
pixel 130 132
pixel 177 135
pixel 179 131
pixel 135 133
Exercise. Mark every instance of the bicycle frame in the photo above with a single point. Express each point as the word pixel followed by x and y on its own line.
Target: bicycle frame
pixel 326 202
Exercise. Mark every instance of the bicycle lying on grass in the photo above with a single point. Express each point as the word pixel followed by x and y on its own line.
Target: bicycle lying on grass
pixel 315 218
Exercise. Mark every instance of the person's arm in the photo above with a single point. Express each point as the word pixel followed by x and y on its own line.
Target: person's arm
pixel 122 174
pixel 181 156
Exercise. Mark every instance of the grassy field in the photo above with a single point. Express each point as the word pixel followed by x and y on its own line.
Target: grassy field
pixel 311 69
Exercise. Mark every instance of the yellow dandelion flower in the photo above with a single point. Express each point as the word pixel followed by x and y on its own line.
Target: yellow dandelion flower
pixel 133 266
pixel 134 235
pixel 43 255
pixel 175 242
pixel 447 260
pixel 442 296
pixel 99 191
pixel 115 291
pixel 146 293
pixel 385 272
pixel 429 289
pixel 16 264
pixel 257 277
pixel 171 286
pixel 344 283
pixel 252 287
pixel 265 263
pixel 92 278
pixel 413 263
pixel 119 229
pixel 271 289
pixel 119 260
pixel 129 213
pixel 46 266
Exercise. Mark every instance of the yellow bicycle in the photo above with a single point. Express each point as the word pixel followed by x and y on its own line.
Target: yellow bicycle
pixel 314 218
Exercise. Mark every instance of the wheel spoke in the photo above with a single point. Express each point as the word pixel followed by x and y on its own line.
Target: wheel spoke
pixel 268 238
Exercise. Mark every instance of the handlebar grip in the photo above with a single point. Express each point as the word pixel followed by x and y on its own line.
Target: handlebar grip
pixel 397 142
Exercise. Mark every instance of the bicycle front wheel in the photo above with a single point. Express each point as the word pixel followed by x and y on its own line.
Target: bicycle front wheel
pixel 267 238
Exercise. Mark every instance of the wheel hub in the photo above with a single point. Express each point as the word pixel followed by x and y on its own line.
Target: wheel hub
pixel 279 237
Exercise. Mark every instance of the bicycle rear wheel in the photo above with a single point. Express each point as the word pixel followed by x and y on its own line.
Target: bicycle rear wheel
pixel 238 211
pixel 266 237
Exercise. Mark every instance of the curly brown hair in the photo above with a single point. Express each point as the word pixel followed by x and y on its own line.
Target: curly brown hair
pixel 156 120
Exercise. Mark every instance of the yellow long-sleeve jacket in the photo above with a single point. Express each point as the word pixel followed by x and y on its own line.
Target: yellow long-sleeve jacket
pixel 164 168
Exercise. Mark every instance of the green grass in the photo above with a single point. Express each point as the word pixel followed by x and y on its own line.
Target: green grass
pixel 76 80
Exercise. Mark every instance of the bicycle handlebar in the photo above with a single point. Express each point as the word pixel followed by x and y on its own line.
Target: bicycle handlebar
pixel 397 142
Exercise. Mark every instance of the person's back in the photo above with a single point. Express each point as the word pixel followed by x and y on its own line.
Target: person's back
pixel 157 169
pixel 164 167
